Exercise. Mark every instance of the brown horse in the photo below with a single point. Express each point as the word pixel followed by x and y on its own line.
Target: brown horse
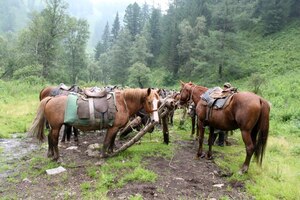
pixel 62 89
pixel 128 102
pixel 191 93
pixel 246 111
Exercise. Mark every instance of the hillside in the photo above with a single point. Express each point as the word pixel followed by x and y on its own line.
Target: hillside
pixel 276 59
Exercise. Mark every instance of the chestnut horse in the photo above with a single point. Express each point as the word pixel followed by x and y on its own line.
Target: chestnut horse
pixel 188 94
pixel 246 111
pixel 62 89
pixel 128 102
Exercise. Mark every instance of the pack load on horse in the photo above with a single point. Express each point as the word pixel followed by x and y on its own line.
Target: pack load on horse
pixel 62 89
pixel 244 110
pixel 103 110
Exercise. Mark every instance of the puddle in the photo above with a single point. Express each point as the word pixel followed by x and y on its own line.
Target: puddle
pixel 11 151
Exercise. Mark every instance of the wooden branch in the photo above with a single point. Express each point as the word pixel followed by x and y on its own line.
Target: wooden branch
pixel 132 124
pixel 134 139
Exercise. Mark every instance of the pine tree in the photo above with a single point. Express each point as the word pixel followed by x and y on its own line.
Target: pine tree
pixel 132 19
pixel 115 28
pixel 106 38
pixel 155 34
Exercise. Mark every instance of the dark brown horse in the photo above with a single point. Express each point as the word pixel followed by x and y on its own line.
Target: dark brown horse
pixel 62 89
pixel 128 102
pixel 246 111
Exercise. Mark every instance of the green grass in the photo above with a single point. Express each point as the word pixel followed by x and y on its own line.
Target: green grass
pixel 18 104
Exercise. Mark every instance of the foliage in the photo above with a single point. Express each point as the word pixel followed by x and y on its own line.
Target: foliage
pixel 255 82
pixel 139 75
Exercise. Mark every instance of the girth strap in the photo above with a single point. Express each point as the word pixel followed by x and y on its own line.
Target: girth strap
pixel 91 108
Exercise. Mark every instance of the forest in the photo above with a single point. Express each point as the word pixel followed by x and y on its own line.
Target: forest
pixel 253 44
pixel 194 40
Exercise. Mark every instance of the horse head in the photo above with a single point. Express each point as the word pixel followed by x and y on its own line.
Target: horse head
pixel 185 92
pixel 151 104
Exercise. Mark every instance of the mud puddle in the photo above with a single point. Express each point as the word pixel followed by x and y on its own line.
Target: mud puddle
pixel 12 151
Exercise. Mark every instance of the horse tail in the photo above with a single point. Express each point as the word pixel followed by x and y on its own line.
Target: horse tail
pixel 263 128
pixel 37 127
pixel 40 96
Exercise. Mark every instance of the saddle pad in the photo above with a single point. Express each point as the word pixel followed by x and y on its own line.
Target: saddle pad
pixel 71 109
pixel 71 117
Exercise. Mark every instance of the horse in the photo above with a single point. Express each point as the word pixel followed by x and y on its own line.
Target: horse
pixel 166 94
pixel 127 103
pixel 62 89
pixel 245 110
pixel 189 95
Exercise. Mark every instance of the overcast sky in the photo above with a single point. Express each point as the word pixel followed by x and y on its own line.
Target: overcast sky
pixel 163 4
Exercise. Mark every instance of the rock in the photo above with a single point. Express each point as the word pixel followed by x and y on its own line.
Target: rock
pixel 99 163
pixel 54 171
pixel 219 185
pixel 179 179
pixel 72 148
pixel 26 180
pixel 94 146
pixel 92 153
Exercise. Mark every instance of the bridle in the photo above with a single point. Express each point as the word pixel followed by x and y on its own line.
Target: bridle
pixel 189 99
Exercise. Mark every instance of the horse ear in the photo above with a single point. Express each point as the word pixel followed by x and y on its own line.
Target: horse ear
pixel 181 82
pixel 148 91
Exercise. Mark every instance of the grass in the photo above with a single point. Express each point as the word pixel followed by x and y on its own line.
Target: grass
pixel 127 167
pixel 18 103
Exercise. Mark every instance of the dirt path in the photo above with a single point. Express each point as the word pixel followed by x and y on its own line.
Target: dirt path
pixel 181 177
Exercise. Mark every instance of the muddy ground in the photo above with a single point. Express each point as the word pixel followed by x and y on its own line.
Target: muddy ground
pixel 180 177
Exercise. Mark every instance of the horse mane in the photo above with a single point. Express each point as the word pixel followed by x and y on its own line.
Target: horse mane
pixel 134 94
pixel 202 88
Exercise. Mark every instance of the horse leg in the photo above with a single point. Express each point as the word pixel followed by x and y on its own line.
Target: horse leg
pixel 50 145
pixel 193 126
pixel 112 144
pixel 55 136
pixel 108 140
pixel 76 133
pixel 200 139
pixel 210 142
pixel 249 150
pixel 67 130
pixel 171 117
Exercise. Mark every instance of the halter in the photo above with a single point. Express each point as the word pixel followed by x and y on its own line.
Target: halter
pixel 191 94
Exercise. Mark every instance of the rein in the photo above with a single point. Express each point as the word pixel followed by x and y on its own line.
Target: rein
pixel 191 95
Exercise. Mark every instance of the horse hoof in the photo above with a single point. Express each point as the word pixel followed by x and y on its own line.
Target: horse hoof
pixel 243 171
pixel 202 155
pixel 197 158
pixel 59 160
pixel 209 158
pixel 103 155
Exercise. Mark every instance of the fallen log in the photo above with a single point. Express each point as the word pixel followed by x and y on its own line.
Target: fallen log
pixel 134 139
pixel 130 126
pixel 163 111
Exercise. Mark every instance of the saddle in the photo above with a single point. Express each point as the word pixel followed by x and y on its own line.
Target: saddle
pixel 63 89
pixel 216 98
pixel 95 92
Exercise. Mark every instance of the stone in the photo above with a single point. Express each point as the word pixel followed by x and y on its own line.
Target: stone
pixel 54 171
